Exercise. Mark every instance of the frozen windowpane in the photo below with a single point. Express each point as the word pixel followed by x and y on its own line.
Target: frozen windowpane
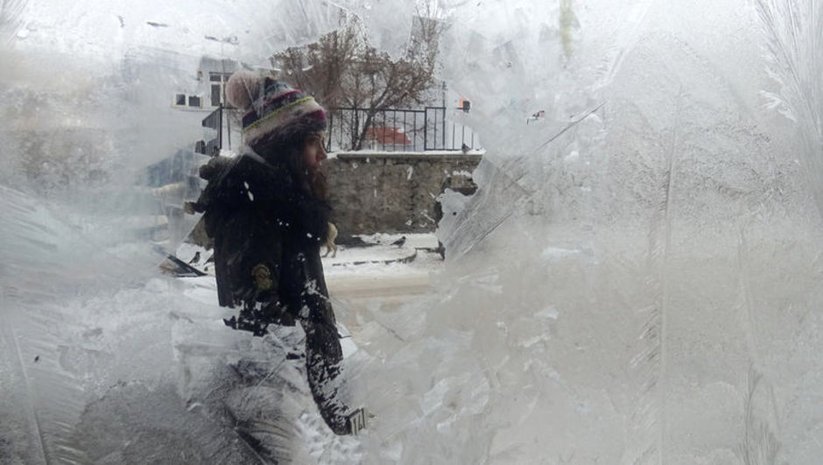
pixel 632 274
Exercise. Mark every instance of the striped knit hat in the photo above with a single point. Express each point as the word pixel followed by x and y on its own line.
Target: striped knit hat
pixel 273 108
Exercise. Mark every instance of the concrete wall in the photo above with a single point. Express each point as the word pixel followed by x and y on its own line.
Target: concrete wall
pixel 394 192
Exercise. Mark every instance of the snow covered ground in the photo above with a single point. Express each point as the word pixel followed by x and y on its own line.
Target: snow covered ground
pixel 383 271
pixel 403 253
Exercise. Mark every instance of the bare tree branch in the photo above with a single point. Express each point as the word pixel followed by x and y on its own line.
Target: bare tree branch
pixel 343 69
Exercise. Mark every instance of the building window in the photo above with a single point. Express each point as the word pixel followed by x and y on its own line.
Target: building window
pixel 216 95
pixel 188 101
pixel 217 82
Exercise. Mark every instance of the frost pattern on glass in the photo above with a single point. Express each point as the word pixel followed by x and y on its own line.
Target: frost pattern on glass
pixel 636 281
pixel 623 279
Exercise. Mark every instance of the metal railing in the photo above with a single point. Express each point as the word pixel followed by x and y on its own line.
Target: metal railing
pixel 213 121
pixel 390 130
pixel 396 130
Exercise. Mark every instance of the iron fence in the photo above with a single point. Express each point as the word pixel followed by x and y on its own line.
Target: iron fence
pixel 391 130
pixel 395 130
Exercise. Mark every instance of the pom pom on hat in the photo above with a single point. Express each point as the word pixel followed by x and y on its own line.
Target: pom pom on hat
pixel 243 88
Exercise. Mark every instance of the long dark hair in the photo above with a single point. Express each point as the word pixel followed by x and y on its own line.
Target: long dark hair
pixel 287 151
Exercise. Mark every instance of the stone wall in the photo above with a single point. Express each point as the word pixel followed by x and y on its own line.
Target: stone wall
pixel 394 192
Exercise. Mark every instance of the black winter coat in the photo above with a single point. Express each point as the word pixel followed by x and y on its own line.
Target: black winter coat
pixel 267 236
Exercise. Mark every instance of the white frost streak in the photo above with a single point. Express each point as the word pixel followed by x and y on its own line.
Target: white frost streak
pixel 249 193
pixel 549 313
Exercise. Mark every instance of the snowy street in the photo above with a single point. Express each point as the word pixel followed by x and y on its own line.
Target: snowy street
pixel 363 287
pixel 377 274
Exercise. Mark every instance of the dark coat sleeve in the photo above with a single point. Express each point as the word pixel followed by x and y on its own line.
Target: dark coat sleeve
pixel 312 218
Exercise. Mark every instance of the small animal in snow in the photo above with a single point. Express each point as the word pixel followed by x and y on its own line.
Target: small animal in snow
pixel 330 238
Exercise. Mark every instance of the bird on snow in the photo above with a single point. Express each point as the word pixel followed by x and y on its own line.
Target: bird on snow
pixel 399 242
pixel 196 258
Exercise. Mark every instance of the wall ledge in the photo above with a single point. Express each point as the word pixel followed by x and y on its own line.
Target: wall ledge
pixel 401 156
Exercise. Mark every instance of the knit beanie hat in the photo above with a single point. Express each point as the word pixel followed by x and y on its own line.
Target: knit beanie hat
pixel 272 108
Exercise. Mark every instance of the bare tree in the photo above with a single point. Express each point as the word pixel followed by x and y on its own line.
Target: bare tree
pixel 343 70
pixel 321 67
